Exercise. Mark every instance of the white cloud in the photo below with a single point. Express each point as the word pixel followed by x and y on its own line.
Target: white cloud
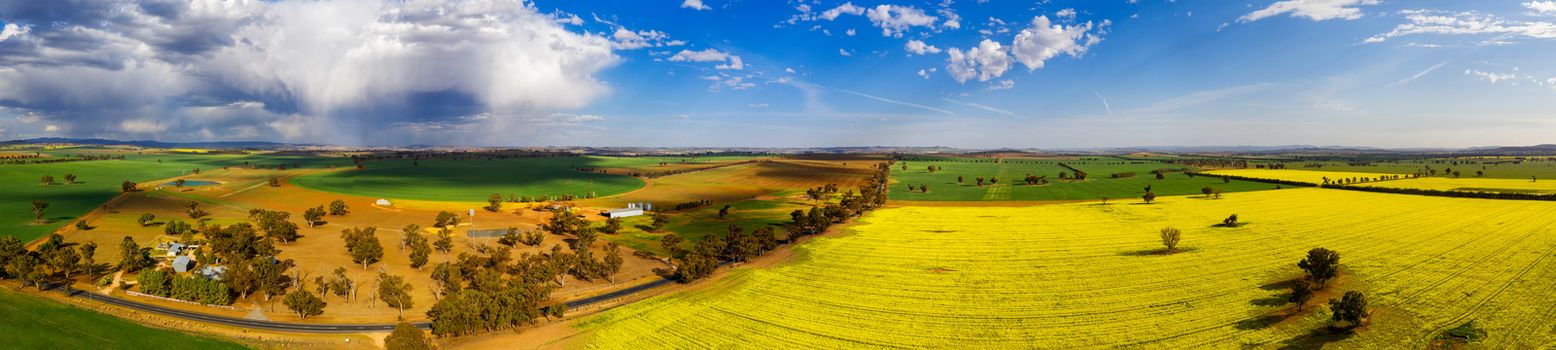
pixel 1044 40
pixel 1465 23
pixel 695 4
pixel 624 39
pixel 844 52
pixel 734 64
pixel 758 105
pixel 986 61
pixel 925 72
pixel 706 55
pixel 1490 77
pixel 1316 10
pixel 11 30
pixel 1006 84
pixel 846 8
pixel 894 20
pixel 1065 13
pixel 920 48
pixel 1542 7
pixel 850 32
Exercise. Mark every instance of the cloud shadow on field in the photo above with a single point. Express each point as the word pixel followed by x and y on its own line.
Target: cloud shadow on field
pixel 1157 252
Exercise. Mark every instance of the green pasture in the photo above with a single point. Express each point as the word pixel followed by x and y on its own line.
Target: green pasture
pixel 37 323
pixel 944 187
pixel 471 180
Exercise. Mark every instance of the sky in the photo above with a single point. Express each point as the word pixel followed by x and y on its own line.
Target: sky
pixel 798 73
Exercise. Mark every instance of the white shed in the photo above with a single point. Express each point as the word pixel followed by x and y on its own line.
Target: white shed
pixel 623 212
pixel 383 203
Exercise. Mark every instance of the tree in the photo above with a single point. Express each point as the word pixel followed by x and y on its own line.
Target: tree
pixel 1149 197
pixel 660 220
pixel 724 211
pixel 37 209
pixel 671 243
pixel 959 179
pixel 1170 238
pixel 1321 265
pixel 176 227
pixel 363 245
pixel 445 242
pixel 179 183
pixel 304 303
pixel 612 261
pixel 1350 310
pixel 420 250
pixel 494 202
pixel 146 219
pixel 340 285
pixel 338 208
pixel 193 209
pixel 406 337
pixel 47 180
pixel 70 178
pixel 1160 175
pixel 1207 190
pixel 313 215
pixel 1231 221
pixel 274 182
pixel 445 218
pixel 458 314
pixel 89 258
pixel 1301 292
pixel 395 292
pixel 612 225
pixel 131 256
pixel 275 224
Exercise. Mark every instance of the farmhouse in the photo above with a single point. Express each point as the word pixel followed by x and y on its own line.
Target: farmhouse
pixel 383 203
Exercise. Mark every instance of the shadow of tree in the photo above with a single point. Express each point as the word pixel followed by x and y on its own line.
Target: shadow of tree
pixel 1157 252
pixel 1260 322
pixel 1316 339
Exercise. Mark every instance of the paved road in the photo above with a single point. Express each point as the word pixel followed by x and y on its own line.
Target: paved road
pixel 319 328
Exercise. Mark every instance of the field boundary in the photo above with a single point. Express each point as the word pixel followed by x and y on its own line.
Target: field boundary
pixel 1398 190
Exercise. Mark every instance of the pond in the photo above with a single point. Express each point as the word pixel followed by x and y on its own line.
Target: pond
pixel 192 183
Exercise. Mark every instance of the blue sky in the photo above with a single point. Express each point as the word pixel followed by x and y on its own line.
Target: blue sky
pixel 1046 74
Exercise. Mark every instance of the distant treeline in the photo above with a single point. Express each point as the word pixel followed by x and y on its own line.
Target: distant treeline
pixel 36 159
pixel 1458 194
pixel 1253 179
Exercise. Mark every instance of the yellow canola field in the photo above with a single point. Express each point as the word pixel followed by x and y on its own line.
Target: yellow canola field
pixel 1308 176
pixel 1470 184
pixel 1085 276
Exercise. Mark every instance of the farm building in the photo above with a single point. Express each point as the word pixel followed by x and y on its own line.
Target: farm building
pixel 623 212
pixel 213 272
pixel 173 249
pixel 182 264
pixel 383 203
pixel 632 209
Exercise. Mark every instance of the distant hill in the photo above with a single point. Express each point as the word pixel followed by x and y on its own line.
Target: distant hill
pixel 153 144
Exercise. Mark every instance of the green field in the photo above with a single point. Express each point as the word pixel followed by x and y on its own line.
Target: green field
pixel 37 323
pixel 943 186
pixel 471 180
pixel 99 180
pixel 649 162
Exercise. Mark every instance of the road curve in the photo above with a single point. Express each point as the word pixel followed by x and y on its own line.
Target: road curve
pixel 319 328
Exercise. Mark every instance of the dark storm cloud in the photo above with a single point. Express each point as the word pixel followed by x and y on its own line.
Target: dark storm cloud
pixel 295 70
